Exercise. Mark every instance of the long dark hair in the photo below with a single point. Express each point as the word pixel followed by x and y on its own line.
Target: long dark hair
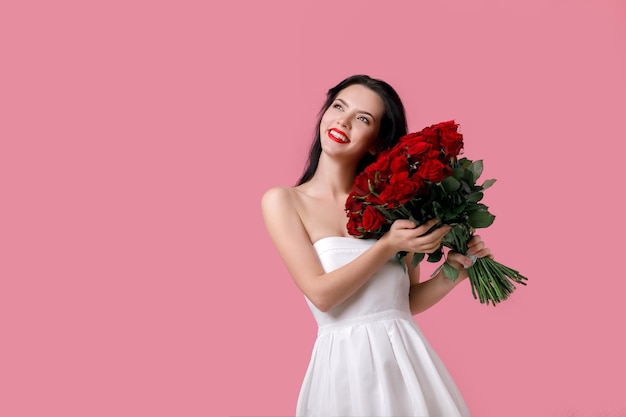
pixel 392 127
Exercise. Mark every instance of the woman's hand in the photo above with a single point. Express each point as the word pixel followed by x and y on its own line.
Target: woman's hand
pixel 460 262
pixel 406 235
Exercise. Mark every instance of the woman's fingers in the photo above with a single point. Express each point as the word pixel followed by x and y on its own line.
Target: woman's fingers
pixel 477 247
pixel 415 238
pixel 403 224
pixel 458 261
pixel 430 242
pixel 425 227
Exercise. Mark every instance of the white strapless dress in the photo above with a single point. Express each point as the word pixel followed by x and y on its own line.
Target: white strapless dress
pixel 370 358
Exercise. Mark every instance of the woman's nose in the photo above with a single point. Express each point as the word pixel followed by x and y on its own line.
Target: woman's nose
pixel 343 121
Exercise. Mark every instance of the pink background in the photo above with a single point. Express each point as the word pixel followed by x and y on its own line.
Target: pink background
pixel 137 138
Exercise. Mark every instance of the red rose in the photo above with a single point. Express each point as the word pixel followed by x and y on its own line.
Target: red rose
pixel 448 125
pixel 399 177
pixel 378 173
pixel 432 154
pixel 374 198
pixel 381 164
pixel 372 219
pixel 395 151
pixel 434 170
pixel 361 185
pixel 399 165
pixel 419 184
pixel 411 138
pixel 377 182
pixel 417 149
pixel 452 143
pixel 451 140
pixel 431 136
pixel 354 226
pixel 400 192
pixel 354 204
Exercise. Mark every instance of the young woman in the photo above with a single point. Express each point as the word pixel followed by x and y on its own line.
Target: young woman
pixel 370 358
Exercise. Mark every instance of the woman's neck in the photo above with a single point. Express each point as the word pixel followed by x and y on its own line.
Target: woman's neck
pixel 332 179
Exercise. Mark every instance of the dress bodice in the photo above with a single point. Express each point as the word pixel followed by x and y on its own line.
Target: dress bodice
pixel 387 289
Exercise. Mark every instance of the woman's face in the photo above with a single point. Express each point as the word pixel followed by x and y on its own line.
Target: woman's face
pixel 350 125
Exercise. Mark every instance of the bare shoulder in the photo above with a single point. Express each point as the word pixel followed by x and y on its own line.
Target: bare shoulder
pixel 279 205
pixel 277 198
pixel 281 214
pixel 279 193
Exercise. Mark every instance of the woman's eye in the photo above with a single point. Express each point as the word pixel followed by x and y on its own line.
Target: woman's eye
pixel 338 106
pixel 364 119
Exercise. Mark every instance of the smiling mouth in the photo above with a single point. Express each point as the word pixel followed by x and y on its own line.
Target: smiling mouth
pixel 338 136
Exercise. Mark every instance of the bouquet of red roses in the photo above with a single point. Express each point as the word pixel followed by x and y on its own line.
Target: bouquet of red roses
pixel 422 178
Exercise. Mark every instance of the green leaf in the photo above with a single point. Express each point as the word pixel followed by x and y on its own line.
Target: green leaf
pixel 488 183
pixel 480 218
pixel 476 168
pixel 435 256
pixel 436 207
pixel 468 177
pixel 451 184
pixel 450 271
pixel 477 207
pixel 458 172
pixel 417 258
pixel 474 197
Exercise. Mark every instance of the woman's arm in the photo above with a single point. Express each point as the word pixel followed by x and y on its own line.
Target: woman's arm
pixel 424 295
pixel 327 290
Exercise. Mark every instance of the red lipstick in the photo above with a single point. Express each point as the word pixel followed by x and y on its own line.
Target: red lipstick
pixel 339 136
